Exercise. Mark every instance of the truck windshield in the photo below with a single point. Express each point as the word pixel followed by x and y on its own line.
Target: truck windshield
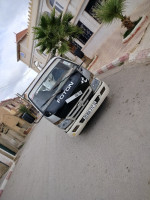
pixel 51 84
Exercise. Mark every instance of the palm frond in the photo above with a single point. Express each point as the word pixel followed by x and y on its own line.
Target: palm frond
pixel 53 33
pixel 64 47
pixel 109 10
pixel 67 17
pixel 43 21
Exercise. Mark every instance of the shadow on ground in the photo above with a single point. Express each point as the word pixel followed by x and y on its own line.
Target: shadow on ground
pixel 97 116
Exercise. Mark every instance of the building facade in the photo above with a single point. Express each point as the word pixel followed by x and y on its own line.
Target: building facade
pixel 13 105
pixel 13 129
pixel 84 48
pixel 83 17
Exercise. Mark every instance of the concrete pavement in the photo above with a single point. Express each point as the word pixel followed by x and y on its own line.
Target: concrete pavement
pixel 110 160
pixel 113 47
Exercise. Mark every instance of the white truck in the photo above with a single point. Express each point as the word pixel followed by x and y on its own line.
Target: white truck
pixel 67 94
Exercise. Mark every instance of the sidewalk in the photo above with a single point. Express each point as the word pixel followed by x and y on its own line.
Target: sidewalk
pixel 113 48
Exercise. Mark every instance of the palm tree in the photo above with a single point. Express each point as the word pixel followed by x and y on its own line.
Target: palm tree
pixel 23 109
pixel 109 10
pixel 54 34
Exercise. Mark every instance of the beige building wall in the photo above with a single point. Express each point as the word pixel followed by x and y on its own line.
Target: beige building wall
pixel 25 50
pixel 101 32
pixel 36 59
pixel 3 169
pixel 105 31
pixel 11 139
pixel 16 124
pixel 8 144
pixel 13 122
pixel 12 105
pixel 26 46
pixel 12 130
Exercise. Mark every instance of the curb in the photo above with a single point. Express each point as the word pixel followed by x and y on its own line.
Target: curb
pixel 9 163
pixel 140 56
pixel 93 62
pixel 136 29
pixel 117 62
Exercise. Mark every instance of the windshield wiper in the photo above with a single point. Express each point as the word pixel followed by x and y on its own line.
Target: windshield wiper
pixel 72 71
pixel 50 98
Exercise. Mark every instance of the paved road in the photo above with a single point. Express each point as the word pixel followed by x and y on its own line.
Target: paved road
pixel 109 161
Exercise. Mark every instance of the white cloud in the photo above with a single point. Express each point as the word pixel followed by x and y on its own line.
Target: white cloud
pixel 13 77
pixel 12 10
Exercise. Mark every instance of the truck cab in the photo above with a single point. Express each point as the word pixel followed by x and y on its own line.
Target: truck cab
pixel 67 94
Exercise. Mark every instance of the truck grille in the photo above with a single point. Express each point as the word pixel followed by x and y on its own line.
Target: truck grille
pixel 80 105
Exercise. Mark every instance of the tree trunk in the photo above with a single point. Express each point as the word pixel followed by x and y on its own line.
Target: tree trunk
pixel 127 23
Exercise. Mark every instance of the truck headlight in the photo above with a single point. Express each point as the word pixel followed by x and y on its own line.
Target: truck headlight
pixel 65 123
pixel 95 83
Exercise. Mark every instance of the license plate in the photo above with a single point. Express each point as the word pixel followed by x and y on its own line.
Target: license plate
pixel 90 110
pixel 74 96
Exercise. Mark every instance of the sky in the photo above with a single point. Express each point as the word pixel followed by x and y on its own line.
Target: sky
pixel 14 76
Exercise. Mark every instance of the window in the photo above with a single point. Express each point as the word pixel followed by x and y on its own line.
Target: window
pixel 56 5
pixel 73 46
pixel 7 106
pixel 12 105
pixel 36 63
pixel 22 54
pixel 85 36
pixel 19 125
pixel 51 2
pixel 6 149
pixel 44 52
pixel 39 67
pixel 75 49
pixel 89 8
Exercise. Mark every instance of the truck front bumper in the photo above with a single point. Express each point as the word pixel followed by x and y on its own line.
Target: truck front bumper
pixel 89 110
